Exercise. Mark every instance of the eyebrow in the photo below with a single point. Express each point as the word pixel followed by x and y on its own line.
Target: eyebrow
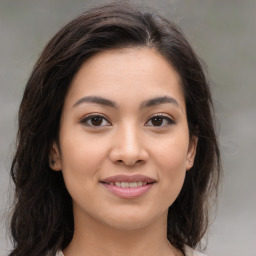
pixel 106 102
pixel 97 100
pixel 158 101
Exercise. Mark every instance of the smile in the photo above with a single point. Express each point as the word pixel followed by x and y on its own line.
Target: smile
pixel 125 186
pixel 128 184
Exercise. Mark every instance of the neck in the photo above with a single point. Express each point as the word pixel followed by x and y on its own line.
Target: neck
pixel 92 238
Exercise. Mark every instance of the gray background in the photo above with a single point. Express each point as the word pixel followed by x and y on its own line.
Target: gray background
pixel 223 33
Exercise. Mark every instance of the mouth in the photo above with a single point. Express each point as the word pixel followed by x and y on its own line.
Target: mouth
pixel 128 181
pixel 126 186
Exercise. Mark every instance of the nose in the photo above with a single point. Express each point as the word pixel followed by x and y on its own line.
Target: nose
pixel 128 147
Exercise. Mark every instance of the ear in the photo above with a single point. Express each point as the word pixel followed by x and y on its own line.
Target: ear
pixel 54 158
pixel 191 152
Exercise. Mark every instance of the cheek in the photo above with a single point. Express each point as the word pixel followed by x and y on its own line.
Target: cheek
pixel 81 158
pixel 81 149
pixel 172 154
pixel 171 162
pixel 81 161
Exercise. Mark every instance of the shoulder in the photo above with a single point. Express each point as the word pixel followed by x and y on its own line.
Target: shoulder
pixel 191 252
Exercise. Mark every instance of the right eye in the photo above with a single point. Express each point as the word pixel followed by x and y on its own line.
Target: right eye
pixel 95 120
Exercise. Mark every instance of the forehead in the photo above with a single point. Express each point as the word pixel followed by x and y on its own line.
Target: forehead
pixel 126 74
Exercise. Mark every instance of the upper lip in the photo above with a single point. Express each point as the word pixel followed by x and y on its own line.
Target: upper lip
pixel 128 178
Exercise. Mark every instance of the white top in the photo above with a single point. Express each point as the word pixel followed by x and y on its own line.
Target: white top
pixel 189 252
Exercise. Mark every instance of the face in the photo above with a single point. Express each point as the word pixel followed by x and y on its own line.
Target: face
pixel 124 144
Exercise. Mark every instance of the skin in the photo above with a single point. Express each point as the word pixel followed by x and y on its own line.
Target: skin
pixel 126 140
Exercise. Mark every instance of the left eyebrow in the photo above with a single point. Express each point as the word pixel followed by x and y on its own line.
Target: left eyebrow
pixel 158 101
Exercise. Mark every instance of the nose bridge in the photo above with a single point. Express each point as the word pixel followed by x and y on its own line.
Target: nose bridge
pixel 128 144
pixel 129 136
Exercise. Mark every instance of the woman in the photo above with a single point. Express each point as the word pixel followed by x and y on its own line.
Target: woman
pixel 117 152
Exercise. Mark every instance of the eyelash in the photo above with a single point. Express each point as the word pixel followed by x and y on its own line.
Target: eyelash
pixel 88 118
pixel 169 121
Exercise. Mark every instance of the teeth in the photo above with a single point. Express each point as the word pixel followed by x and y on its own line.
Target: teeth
pixel 124 184
pixel 133 185
pixel 118 184
pixel 129 184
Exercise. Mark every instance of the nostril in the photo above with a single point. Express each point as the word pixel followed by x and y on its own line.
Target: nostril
pixel 130 163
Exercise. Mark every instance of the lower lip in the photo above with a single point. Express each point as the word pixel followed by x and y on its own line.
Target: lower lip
pixel 128 192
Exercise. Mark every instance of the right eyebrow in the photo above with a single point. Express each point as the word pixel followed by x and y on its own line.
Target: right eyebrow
pixel 97 100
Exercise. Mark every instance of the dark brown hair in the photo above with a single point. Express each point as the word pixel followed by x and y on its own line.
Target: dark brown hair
pixel 42 220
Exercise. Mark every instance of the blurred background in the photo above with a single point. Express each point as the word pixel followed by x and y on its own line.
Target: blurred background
pixel 223 33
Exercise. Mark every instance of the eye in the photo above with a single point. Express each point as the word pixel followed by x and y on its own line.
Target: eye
pixel 160 120
pixel 95 120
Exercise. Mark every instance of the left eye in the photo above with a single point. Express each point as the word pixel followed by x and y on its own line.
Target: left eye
pixel 95 120
pixel 160 121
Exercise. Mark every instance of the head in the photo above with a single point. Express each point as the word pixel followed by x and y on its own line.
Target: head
pixel 43 202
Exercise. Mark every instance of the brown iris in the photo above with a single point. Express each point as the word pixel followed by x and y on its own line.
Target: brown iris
pixel 157 121
pixel 96 120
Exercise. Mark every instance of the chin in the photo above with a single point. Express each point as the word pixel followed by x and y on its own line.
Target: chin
pixel 128 224
pixel 130 221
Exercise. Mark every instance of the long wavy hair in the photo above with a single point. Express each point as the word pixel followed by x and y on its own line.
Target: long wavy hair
pixel 42 219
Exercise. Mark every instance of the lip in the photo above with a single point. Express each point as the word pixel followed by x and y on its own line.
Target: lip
pixel 128 192
pixel 128 178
